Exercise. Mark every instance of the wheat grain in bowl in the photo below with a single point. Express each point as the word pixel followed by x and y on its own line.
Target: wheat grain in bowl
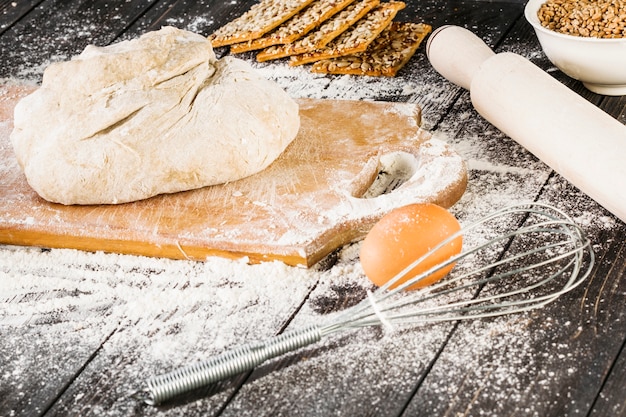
pixel 598 60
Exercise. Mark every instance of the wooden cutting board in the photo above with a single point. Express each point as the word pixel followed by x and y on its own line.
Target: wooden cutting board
pixel 322 192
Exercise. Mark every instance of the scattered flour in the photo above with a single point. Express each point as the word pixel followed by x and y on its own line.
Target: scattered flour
pixel 148 315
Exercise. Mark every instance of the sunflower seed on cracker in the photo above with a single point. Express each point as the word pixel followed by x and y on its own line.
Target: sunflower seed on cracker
pixel 299 25
pixel 328 31
pixel 357 38
pixel 257 21
pixel 389 52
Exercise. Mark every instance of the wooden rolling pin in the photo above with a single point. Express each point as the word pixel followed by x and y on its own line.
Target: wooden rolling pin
pixel 575 138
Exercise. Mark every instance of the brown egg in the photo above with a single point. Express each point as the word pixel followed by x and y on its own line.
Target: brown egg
pixel 403 236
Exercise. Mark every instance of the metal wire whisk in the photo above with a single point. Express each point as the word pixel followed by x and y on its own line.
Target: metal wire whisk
pixel 545 257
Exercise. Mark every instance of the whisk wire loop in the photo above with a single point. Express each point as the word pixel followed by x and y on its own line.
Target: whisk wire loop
pixel 541 255
pixel 573 233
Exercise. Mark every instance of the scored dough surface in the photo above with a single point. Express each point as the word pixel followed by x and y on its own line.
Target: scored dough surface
pixel 158 114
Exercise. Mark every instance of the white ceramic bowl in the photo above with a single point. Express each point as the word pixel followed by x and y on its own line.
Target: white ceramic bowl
pixel 599 63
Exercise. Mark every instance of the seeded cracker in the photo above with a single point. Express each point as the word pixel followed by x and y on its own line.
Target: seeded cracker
pixel 384 57
pixel 357 38
pixel 260 19
pixel 302 23
pixel 319 38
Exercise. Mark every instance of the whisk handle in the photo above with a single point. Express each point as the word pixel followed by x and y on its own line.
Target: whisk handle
pixel 164 387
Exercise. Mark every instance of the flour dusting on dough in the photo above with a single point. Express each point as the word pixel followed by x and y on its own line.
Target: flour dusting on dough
pixel 153 115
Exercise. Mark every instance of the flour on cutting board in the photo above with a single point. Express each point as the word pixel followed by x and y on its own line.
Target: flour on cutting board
pixel 276 205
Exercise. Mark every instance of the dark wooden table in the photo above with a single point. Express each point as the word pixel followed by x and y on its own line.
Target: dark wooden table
pixel 79 332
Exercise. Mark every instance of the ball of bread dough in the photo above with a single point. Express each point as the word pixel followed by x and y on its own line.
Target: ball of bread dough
pixel 158 114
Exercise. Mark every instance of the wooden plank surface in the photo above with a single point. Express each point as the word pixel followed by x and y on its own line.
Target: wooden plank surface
pixel 89 327
pixel 55 30
pixel 13 11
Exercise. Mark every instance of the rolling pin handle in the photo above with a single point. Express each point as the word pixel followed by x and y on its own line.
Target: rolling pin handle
pixel 457 53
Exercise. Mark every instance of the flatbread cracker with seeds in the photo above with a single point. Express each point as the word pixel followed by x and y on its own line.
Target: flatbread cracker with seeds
pixel 357 38
pixel 257 21
pixel 302 23
pixel 389 52
pixel 319 38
